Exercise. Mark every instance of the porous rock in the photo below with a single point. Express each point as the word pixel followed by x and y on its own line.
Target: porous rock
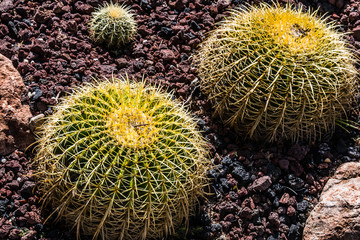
pixel 5 5
pixel 14 116
pixel 337 215
pixel 261 184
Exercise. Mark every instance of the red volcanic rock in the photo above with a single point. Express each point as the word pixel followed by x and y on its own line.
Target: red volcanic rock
pixel 5 5
pixel 167 54
pixel 337 215
pixel 261 184
pixel 14 116
pixel 356 33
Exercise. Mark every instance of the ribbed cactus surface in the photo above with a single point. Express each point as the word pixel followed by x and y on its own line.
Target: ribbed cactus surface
pixel 121 160
pixel 274 72
pixel 112 25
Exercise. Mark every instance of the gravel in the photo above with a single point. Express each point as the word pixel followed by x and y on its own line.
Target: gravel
pixel 257 191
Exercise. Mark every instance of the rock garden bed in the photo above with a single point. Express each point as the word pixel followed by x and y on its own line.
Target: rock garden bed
pixel 258 191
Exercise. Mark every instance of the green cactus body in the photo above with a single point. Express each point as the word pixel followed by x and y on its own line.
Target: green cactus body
pixel 120 160
pixel 275 72
pixel 113 25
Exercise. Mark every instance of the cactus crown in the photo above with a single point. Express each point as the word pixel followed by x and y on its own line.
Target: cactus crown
pixel 112 25
pixel 277 72
pixel 283 26
pixel 121 160
pixel 115 11
pixel 131 127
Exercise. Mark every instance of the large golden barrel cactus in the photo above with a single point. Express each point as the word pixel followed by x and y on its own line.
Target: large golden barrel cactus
pixel 274 72
pixel 121 160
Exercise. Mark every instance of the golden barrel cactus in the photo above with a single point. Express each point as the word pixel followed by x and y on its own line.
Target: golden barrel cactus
pixel 274 72
pixel 121 160
pixel 112 25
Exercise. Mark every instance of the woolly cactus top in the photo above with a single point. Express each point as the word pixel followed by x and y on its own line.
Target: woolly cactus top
pixel 274 72
pixel 121 160
pixel 131 127
pixel 114 11
pixel 288 28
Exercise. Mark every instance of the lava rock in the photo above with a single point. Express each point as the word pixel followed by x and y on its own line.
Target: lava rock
pixel 216 227
pixel 4 230
pixel 261 184
pixel 213 173
pixel 274 219
pixel 166 32
pixel 83 8
pixel 167 54
pixel 3 205
pixel 37 94
pixel 27 187
pixel 226 161
pixel 241 174
pixel 302 206
pixel 295 183
pixel 42 15
pixel 246 212
pixel 356 33
pixel 6 5
pixel 294 232
pixel 273 171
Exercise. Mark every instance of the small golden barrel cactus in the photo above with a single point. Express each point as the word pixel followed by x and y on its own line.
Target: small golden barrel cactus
pixel 112 25
pixel 274 72
pixel 121 160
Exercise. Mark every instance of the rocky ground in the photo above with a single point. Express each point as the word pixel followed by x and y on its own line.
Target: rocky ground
pixel 258 191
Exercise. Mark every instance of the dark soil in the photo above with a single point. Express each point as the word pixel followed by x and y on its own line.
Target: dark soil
pixel 258 191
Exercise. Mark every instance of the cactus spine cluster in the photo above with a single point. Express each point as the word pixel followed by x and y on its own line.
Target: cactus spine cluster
pixel 121 160
pixel 274 72
pixel 113 25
